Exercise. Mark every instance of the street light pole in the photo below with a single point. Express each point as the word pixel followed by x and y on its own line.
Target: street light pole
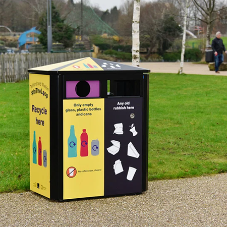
pixel 81 27
pixel 49 26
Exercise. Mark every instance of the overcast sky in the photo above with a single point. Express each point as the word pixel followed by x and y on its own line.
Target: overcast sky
pixel 106 4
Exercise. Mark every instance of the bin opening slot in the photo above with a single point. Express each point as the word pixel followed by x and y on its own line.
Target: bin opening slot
pixel 123 88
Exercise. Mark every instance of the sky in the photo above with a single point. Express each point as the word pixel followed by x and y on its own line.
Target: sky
pixel 106 4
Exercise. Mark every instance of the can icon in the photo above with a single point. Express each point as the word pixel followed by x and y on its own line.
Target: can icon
pixel 95 147
pixel 45 158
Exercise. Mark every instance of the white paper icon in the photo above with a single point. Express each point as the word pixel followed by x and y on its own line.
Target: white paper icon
pixel 132 152
pixel 131 173
pixel 118 66
pixel 114 149
pixel 118 168
pixel 133 130
pixel 118 129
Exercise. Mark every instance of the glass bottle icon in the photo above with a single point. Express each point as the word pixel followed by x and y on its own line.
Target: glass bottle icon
pixel 34 147
pixel 84 144
pixel 72 143
pixel 40 152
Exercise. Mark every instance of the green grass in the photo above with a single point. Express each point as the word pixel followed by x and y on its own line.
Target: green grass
pixel 187 129
pixel 196 43
pixel 14 137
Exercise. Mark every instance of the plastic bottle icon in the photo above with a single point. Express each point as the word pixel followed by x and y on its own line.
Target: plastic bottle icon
pixel 84 144
pixel 72 143
pixel 40 152
pixel 34 147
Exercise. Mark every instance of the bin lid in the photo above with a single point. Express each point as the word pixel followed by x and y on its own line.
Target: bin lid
pixel 88 64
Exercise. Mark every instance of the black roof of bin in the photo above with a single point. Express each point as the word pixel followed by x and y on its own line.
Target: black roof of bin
pixel 87 64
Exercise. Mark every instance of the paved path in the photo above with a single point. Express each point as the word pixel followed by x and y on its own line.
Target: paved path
pixel 199 202
pixel 173 67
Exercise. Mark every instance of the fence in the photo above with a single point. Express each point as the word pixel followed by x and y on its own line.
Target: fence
pixel 14 67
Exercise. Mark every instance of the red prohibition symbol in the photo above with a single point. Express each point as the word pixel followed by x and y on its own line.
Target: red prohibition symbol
pixel 71 172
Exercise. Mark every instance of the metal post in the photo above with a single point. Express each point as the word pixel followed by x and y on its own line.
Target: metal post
pixel 81 27
pixel 49 26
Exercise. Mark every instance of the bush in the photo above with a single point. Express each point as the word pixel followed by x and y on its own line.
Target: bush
pixel 193 55
pixel 103 46
pixel 11 44
pixel 172 57
pixel 106 57
pixel 123 48
pixel 119 55
pixel 37 48
pixel 152 58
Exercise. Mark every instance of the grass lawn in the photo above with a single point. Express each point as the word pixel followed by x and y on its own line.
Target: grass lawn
pixel 14 137
pixel 187 129
pixel 199 43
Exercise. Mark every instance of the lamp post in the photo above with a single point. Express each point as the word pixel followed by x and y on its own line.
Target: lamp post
pixel 49 26
pixel 81 27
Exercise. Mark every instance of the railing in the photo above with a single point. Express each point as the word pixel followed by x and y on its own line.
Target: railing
pixel 14 67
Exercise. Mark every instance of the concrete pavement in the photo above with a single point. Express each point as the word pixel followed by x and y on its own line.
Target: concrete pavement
pixel 173 67
pixel 192 202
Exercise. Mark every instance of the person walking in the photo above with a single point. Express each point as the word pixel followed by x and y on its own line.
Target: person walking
pixel 218 48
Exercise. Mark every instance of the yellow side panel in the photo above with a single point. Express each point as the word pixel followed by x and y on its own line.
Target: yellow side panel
pixel 83 142
pixel 39 105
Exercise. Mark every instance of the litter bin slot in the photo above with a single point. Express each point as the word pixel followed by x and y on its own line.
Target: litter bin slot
pixel 124 88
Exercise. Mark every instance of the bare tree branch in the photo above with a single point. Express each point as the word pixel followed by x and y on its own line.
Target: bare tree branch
pixel 200 8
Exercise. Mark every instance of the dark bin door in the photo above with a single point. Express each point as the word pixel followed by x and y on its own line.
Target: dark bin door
pixel 123 146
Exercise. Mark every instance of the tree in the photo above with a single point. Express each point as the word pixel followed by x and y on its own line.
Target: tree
pixel 62 32
pixel 136 34
pixel 4 5
pixel 158 27
pixel 208 9
pixel 169 30
pixel 185 5
pixel 124 25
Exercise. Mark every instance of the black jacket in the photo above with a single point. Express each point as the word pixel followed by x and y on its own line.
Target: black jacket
pixel 217 45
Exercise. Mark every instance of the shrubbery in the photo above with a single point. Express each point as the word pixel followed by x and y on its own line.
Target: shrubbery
pixel 119 55
pixel 191 55
pixel 172 57
pixel 123 48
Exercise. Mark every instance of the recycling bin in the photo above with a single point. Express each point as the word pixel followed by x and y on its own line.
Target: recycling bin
pixel 88 129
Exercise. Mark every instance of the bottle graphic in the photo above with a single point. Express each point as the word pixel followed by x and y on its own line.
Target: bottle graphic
pixel 95 147
pixel 45 158
pixel 84 144
pixel 86 66
pixel 40 152
pixel 72 143
pixel 90 66
pixel 34 146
